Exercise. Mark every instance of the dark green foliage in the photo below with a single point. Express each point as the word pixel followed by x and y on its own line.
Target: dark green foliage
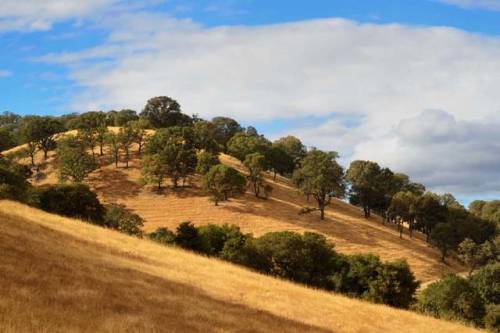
pixel 38 133
pixel 13 180
pixel 280 161
pixel 453 298
pixel 443 237
pixel 117 217
pixel 187 237
pixel 225 129
pixel 214 237
pixel 492 318
pixel 321 177
pixel 293 147
pixel 205 137
pixel 162 236
pixel 163 112
pixel 255 163
pixel 122 117
pixel 242 144
pixel 222 182
pixel 307 259
pixel 75 200
pixel 487 282
pixel 369 184
pixel 394 285
pixel 206 160
pixel 429 213
pixel 7 139
pixel 170 153
pixel 73 161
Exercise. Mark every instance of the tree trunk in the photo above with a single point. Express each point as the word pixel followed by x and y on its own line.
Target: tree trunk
pixel 32 159
pixel 101 150
pixel 366 210
pixel 45 154
pixel 274 177
pixel 322 211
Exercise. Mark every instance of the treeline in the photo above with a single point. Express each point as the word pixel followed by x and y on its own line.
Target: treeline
pixel 183 145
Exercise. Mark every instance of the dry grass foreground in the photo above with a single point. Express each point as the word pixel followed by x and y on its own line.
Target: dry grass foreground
pixel 62 275
pixel 344 224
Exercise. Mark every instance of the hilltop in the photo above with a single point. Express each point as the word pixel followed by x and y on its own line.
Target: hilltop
pixel 62 275
pixel 344 224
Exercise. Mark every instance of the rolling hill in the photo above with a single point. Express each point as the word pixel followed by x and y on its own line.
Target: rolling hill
pixel 344 224
pixel 62 275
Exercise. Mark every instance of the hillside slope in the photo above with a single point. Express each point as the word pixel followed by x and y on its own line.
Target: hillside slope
pixel 61 275
pixel 344 224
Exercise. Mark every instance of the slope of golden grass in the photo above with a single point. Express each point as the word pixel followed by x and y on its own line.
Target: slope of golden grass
pixel 344 224
pixel 62 275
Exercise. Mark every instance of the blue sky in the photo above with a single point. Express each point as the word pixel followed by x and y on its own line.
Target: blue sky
pixel 409 83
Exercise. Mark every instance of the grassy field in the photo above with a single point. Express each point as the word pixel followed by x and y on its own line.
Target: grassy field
pixel 344 224
pixel 62 275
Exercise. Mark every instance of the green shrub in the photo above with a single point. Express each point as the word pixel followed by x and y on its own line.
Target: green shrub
pixel 453 298
pixel 242 250
pixel 214 237
pixel 13 180
pixel 75 200
pixel 187 236
pixel 487 282
pixel 492 318
pixel 394 285
pixel 117 217
pixel 162 236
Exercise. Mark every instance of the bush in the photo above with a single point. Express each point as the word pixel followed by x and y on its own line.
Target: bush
pixel 453 298
pixel 162 236
pixel 117 217
pixel 394 285
pixel 13 180
pixel 214 237
pixel 242 250
pixel 187 236
pixel 492 318
pixel 75 200
pixel 308 259
pixel 487 282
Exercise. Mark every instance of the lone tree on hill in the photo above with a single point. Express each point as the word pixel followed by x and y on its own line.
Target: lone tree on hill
pixel 39 132
pixel 255 163
pixel 163 112
pixel 73 161
pixel 321 177
pixel 222 182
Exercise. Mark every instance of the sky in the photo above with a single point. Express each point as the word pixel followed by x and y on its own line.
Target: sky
pixel 411 84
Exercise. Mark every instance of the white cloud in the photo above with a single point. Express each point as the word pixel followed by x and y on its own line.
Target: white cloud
pixel 484 4
pixel 31 15
pixel 381 75
pixel 5 73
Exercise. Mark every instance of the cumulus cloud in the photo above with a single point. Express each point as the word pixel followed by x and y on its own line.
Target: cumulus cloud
pixel 32 15
pixel 371 82
pixel 484 4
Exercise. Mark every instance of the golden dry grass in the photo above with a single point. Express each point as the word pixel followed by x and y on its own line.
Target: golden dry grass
pixel 62 275
pixel 344 224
